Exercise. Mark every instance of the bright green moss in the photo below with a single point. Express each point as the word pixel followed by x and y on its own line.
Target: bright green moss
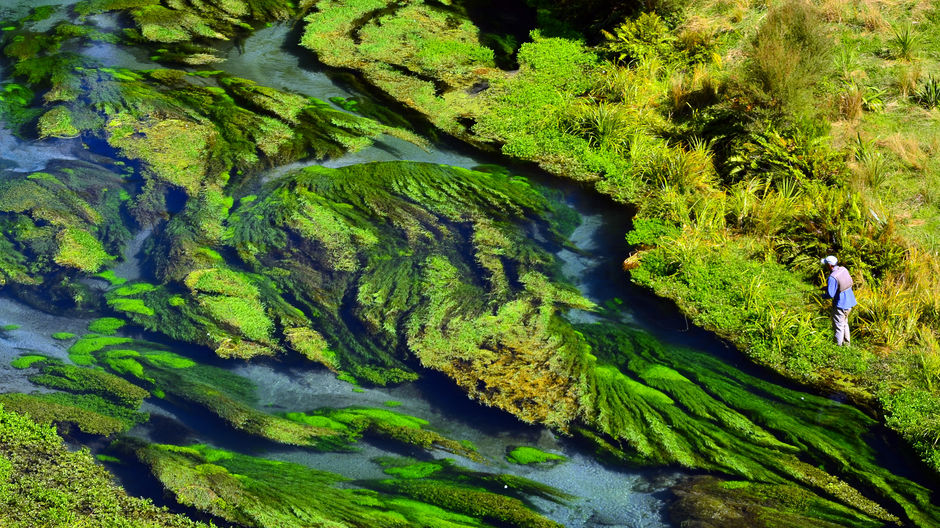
pixel 107 458
pixel 257 492
pixel 63 336
pixel 168 360
pixel 9 327
pixel 91 414
pixel 418 470
pixel 93 343
pixel 81 380
pixel 53 483
pixel 131 305
pixel 529 455
pixel 79 249
pixel 57 122
pixel 106 325
pixel 133 289
pixel 247 317
pixel 111 277
pixel 24 362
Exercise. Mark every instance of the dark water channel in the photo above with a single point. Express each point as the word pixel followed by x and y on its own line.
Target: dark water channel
pixel 607 496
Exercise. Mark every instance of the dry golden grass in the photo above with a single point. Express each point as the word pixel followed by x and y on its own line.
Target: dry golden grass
pixel 850 102
pixel 834 10
pixel 697 33
pixel 907 149
pixel 907 77
pixel 870 16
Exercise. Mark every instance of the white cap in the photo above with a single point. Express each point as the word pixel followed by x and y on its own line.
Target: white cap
pixel 831 260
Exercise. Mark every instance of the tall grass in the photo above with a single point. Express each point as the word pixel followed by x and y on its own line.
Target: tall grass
pixel 851 102
pixel 871 166
pixel 789 54
pixel 907 77
pixel 607 126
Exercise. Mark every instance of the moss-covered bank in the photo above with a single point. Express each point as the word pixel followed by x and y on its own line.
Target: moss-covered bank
pixel 43 483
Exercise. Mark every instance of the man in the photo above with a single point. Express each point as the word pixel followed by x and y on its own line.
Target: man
pixel 839 288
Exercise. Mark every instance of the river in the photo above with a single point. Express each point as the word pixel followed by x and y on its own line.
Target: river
pixel 605 495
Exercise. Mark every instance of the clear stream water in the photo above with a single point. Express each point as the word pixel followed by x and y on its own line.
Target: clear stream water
pixel 607 496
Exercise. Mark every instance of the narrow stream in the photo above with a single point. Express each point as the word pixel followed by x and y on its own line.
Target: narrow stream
pixel 606 496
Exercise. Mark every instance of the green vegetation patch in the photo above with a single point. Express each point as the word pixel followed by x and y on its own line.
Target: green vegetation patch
pixel 111 277
pixel 257 492
pixel 106 325
pixel 63 336
pixel 351 423
pixel 79 249
pixel 530 455
pixel 133 289
pixel 91 414
pixel 81 380
pixel 57 123
pixel 47 482
pixel 26 361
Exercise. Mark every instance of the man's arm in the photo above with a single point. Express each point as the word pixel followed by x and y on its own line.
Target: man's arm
pixel 832 287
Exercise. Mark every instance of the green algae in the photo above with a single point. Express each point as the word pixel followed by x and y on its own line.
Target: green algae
pixel 80 380
pixel 133 289
pixel 131 306
pixel 111 277
pixel 493 498
pixel 710 502
pixel 63 336
pixel 527 455
pixel 57 122
pixel 106 325
pixel 81 351
pixel 27 361
pixel 778 439
pixel 89 413
pixel 387 287
pixel 63 219
pixel 152 369
pixel 257 492
pixel 352 423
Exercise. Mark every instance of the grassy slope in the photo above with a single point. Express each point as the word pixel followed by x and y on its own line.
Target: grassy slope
pixel 755 138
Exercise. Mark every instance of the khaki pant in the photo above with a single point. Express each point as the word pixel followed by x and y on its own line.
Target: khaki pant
pixel 840 325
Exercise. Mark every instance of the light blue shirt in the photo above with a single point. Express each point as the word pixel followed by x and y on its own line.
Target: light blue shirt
pixel 844 300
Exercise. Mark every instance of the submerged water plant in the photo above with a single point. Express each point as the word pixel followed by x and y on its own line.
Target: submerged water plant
pixel 257 492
